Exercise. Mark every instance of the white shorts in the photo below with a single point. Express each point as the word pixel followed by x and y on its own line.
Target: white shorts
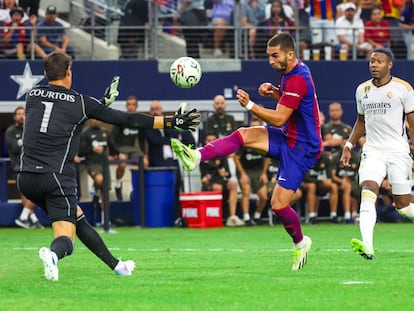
pixel 323 31
pixel 377 165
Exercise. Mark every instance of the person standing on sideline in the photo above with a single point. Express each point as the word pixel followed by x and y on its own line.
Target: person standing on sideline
pixel 97 146
pixel 252 168
pixel 14 136
pixel 221 124
pixel 292 135
pixel 335 132
pixel 384 104
pixel 126 141
pixel 55 115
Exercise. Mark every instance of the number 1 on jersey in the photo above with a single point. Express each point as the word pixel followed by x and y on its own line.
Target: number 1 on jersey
pixel 46 116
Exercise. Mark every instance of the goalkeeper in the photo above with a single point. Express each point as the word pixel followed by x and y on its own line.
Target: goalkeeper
pixel 47 173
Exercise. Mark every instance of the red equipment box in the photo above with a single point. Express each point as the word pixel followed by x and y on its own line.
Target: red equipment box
pixel 202 209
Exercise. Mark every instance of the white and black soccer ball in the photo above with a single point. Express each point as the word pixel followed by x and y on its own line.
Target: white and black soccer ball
pixel 185 72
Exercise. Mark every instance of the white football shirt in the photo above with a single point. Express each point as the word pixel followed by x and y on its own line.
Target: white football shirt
pixel 384 109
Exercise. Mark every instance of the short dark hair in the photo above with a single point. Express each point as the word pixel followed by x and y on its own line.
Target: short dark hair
pixel 56 64
pixel 386 51
pixel 284 40
pixel 17 109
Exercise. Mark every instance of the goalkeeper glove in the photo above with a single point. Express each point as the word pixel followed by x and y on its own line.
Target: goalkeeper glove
pixel 183 120
pixel 111 92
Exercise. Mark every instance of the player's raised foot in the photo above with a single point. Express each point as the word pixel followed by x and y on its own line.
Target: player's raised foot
pixel 189 157
pixel 300 254
pixel 361 249
pixel 125 268
pixel 50 262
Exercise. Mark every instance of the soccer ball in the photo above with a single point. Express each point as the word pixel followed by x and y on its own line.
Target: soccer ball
pixel 185 72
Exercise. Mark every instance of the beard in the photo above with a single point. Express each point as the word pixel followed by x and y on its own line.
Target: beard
pixel 282 65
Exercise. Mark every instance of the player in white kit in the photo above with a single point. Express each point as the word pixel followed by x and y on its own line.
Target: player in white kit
pixel 384 104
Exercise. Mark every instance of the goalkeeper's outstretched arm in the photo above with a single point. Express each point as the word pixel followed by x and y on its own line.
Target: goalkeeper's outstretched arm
pixel 181 120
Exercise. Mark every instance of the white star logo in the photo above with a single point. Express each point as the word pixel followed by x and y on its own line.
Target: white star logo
pixel 27 81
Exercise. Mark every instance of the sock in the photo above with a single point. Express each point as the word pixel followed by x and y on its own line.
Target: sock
pixel 347 215
pixel 257 215
pixel 407 212
pixel 367 217
pixel 62 246
pixel 24 215
pixel 291 222
pixel 33 217
pixel 94 242
pixel 118 183
pixel 312 214
pixel 333 214
pixel 222 146
pixel 246 217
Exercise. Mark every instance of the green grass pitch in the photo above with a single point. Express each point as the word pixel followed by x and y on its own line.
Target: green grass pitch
pixel 213 269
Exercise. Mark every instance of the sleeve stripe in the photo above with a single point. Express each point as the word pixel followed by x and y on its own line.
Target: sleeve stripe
pixel 291 94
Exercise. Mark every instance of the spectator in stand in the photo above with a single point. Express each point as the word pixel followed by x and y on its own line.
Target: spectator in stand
pixel 14 140
pixel 252 168
pixel 377 30
pixel 335 132
pixel 340 9
pixel 135 15
pixel 215 176
pixel 322 22
pixel 350 32
pixel 253 12
pixel 346 177
pixel 317 183
pixel 407 25
pixel 97 146
pixel 16 37
pixel 192 16
pixel 128 145
pixel 31 7
pixel 366 8
pixel 305 36
pixel 52 35
pixel 158 150
pixel 220 18
pixel 276 23
pixel 392 13
pixel 5 12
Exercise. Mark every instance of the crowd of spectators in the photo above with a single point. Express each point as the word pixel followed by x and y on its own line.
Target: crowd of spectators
pixel 351 27
pixel 24 33
pixel 354 26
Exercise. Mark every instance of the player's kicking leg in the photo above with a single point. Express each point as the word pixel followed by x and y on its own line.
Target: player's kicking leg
pixel 189 157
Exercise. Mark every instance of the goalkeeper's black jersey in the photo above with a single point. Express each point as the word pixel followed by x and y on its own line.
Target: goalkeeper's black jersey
pixel 54 119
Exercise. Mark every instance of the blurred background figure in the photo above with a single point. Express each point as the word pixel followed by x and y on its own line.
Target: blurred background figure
pixel 128 144
pixel 14 135
pixel 158 152
pixel 130 39
pixel 97 146
pixel 252 168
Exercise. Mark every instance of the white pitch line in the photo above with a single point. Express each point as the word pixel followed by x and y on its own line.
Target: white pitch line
pixel 357 282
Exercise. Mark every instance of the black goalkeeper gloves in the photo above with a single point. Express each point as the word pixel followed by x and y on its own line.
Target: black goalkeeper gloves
pixel 183 120
pixel 111 92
